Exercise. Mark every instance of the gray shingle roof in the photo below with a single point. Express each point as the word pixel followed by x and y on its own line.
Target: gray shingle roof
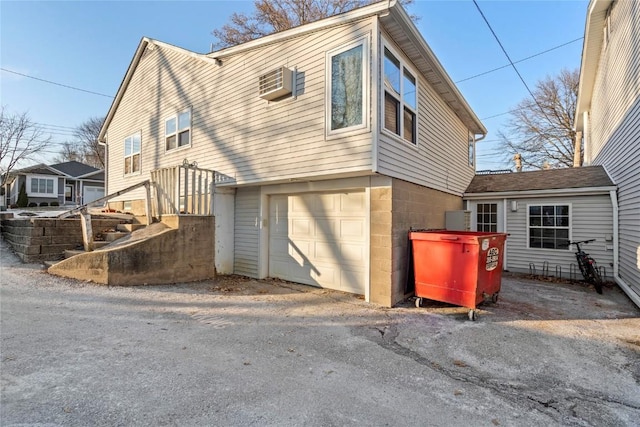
pixel 584 177
pixel 74 168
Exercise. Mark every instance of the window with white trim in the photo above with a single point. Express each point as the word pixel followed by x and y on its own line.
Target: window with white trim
pixel 42 186
pixel 400 98
pixel 132 146
pixel 177 130
pixel 548 226
pixel 346 97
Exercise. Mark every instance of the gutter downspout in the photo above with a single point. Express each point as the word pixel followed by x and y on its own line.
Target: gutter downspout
pixel 616 267
pixel 505 266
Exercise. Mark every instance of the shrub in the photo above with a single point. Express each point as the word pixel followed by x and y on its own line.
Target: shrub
pixel 55 204
pixel 44 204
pixel 33 205
pixel 23 200
pixel 14 206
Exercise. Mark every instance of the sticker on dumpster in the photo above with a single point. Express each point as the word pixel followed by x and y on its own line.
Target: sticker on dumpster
pixel 485 244
pixel 492 259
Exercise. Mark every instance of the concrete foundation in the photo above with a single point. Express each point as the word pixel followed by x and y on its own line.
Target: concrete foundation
pixel 178 249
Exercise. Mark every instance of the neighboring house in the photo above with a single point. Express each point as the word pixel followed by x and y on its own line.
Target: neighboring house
pixel 608 115
pixel 68 183
pixel 543 210
pixel 340 135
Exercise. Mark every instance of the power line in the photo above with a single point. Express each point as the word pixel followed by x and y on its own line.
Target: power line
pixel 521 60
pixel 55 83
pixel 510 61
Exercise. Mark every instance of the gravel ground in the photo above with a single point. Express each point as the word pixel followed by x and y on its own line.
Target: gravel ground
pixel 237 351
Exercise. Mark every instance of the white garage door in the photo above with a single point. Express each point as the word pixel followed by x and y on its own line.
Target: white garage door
pixel 91 194
pixel 319 239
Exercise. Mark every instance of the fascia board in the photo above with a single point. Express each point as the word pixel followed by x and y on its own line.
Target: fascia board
pixel 416 38
pixel 591 49
pixel 341 19
pixel 583 191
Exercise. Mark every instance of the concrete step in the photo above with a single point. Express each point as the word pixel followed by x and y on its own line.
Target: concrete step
pixel 128 228
pixel 72 252
pixel 112 236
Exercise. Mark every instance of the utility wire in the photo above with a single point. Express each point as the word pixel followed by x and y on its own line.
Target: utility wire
pixel 510 61
pixel 55 83
pixel 521 60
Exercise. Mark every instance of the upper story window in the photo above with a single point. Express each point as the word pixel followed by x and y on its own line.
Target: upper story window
pixel 43 186
pixel 132 146
pixel 347 87
pixel 400 98
pixel 548 226
pixel 177 130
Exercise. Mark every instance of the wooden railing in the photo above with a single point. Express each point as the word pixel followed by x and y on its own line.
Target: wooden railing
pixel 185 189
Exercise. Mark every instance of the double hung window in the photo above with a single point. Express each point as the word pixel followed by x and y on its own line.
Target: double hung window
pixel 548 226
pixel 177 130
pixel 487 217
pixel 347 87
pixel 400 98
pixel 132 146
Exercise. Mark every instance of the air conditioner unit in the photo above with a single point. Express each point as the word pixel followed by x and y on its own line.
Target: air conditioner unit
pixel 276 83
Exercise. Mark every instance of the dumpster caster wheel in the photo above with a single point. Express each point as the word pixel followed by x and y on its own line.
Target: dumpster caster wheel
pixel 494 298
pixel 418 302
pixel 473 316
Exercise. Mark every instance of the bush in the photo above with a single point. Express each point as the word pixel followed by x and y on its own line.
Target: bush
pixel 14 206
pixel 33 205
pixel 23 200
pixel 55 204
pixel 44 204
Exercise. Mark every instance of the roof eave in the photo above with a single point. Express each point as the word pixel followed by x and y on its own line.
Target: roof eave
pixel 591 48
pixel 582 191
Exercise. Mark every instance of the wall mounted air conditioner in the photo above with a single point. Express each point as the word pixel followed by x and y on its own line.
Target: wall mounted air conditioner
pixel 276 84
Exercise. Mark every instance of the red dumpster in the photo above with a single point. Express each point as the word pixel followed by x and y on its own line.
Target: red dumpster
pixel 457 267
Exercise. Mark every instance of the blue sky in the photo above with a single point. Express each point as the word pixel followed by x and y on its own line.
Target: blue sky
pixel 89 44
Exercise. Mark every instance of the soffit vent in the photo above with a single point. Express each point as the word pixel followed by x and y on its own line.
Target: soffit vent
pixel 276 83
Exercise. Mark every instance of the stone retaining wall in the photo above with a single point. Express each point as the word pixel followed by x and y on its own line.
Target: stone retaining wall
pixel 46 239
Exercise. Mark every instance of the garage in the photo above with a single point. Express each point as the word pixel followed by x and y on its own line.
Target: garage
pixel 320 239
pixel 89 194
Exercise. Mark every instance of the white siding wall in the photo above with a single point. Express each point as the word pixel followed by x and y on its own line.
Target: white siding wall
pixel 247 231
pixel 615 129
pixel 591 218
pixel 233 130
pixel 440 160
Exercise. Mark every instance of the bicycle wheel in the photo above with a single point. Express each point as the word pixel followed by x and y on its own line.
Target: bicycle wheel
pixel 595 275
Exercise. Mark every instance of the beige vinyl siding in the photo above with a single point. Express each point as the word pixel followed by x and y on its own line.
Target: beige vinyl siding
pixel 233 130
pixel 591 218
pixel 615 129
pixel 247 231
pixel 440 160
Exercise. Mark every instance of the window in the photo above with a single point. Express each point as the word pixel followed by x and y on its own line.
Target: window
pixel 347 87
pixel 548 226
pixel 472 150
pixel 487 217
pixel 43 186
pixel 400 98
pixel 132 154
pixel 177 130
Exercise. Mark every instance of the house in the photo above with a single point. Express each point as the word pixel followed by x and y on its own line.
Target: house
pixel 608 115
pixel 338 135
pixel 68 183
pixel 542 211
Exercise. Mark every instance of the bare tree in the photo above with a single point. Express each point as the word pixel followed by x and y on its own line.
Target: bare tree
pixel 20 140
pixel 272 16
pixel 541 129
pixel 85 147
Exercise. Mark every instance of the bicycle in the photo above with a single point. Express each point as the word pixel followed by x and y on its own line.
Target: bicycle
pixel 587 265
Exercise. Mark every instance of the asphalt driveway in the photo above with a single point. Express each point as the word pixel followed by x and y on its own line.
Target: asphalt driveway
pixel 238 351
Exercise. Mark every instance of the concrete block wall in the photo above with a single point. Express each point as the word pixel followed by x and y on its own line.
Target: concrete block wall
pixel 46 239
pixel 394 210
